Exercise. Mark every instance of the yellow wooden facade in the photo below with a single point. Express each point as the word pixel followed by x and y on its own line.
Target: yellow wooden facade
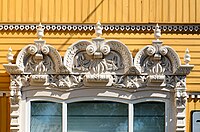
pixel 108 11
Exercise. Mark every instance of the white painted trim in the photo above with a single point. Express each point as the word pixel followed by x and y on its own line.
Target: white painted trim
pixel 64 117
pixel 130 109
pixel 106 27
pixel 4 92
pixel 130 117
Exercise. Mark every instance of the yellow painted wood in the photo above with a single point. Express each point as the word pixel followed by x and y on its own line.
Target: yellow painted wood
pixel 65 11
pixel 138 11
pixel 197 10
pixel 186 12
pixel 4 10
pixel 109 11
pixel 58 11
pixel 31 9
pixel 145 11
pixel 132 10
pixel 4 114
pixel 179 11
pixel 45 10
pixel 51 11
pixel 125 10
pixel 192 11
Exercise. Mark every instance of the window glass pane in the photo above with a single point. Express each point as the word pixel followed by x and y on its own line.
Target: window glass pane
pixel 46 116
pixel 97 116
pixel 149 117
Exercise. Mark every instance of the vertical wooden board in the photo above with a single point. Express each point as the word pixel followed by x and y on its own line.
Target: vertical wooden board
pixel 192 10
pixel 78 10
pixel 132 10
pixel 85 10
pixel 44 11
pixel 11 10
pixel 172 11
pixel 71 10
pixel 92 9
pixel 111 12
pixel 158 10
pixel 145 11
pixel 98 10
pixel 24 11
pixel 31 8
pixel 4 112
pixel 179 15
pixel 1 120
pixel 37 12
pixel 1 7
pixel 105 13
pixel 138 11
pixel 152 10
pixel 51 10
pixel 18 7
pixel 64 11
pixel 197 11
pixel 8 114
pixel 4 10
pixel 119 10
pixel 165 5
pixel 57 11
pixel 125 11
pixel 186 11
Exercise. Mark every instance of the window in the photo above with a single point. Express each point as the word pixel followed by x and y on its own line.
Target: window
pixel 97 116
pixel 46 116
pixel 149 117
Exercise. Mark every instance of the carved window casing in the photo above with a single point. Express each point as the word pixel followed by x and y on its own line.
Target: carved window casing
pixel 98 70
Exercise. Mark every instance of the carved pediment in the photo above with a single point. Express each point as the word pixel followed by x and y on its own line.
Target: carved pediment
pixel 99 62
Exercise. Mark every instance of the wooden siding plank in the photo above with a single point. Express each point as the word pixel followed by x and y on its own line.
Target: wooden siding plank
pixel 12 10
pixel 58 7
pixel 65 11
pixel 165 8
pixel 4 10
pixel 31 6
pixel 158 10
pixel 179 15
pixel 192 11
pixel 138 11
pixel 78 10
pixel 152 11
pixel 197 11
pixel 1 9
pixel 145 11
pixel 51 11
pixel 119 11
pixel 186 11
pixel 105 13
pixel 25 11
pixel 98 10
pixel 85 11
pixel 18 7
pixel 132 11
pixel 172 11
pixel 111 11
pixel 4 113
pixel 125 11
pixel 37 12
pixel 44 11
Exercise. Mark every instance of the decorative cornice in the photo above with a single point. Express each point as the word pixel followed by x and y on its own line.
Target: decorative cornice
pixel 193 95
pixel 107 27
